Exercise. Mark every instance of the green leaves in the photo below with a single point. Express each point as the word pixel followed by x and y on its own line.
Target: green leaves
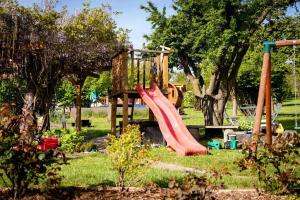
pixel 126 153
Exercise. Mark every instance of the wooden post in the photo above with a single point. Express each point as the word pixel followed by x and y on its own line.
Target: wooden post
pixel 159 72
pixel 132 70
pixel 165 72
pixel 268 105
pixel 125 86
pixel 78 106
pixel 113 114
pixel 138 71
pixel 152 79
pixel 144 73
pixel 125 110
pixel 261 97
pixel 151 72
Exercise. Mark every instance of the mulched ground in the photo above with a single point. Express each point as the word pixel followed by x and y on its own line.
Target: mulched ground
pixel 108 193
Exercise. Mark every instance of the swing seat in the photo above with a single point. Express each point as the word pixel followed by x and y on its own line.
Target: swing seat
pixel 297 127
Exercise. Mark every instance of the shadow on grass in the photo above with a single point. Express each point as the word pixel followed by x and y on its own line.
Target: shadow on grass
pixel 94 133
pixel 290 104
pixel 288 124
pixel 104 183
pixel 164 182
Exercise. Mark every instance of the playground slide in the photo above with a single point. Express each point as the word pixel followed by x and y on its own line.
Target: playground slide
pixel 170 123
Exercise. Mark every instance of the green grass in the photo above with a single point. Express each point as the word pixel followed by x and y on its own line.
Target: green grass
pixel 95 169
pixel 287 114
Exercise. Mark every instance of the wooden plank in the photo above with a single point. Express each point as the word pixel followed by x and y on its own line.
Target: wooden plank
pixel 132 109
pixel 152 78
pixel 159 71
pixel 144 73
pixel 132 71
pixel 138 71
pixel 125 109
pixel 113 115
pixel 222 127
pixel 150 51
pixel 165 72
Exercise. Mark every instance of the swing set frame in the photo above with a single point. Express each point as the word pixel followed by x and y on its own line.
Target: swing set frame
pixel 264 94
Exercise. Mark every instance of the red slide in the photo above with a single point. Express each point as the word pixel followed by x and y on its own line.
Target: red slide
pixel 170 123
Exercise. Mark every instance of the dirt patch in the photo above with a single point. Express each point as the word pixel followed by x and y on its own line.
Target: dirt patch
pixel 109 193
pixel 174 167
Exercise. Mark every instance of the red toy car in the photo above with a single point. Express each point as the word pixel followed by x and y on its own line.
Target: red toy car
pixel 48 143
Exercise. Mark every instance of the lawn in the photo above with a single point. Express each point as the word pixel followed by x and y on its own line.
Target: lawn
pixel 95 169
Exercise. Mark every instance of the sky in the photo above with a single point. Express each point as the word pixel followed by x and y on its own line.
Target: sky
pixel 131 17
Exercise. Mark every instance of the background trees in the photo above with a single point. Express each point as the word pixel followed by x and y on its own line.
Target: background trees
pixel 211 38
pixel 41 46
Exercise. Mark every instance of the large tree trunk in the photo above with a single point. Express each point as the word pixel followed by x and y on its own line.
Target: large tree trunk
pixel 45 126
pixel 78 107
pixel 29 124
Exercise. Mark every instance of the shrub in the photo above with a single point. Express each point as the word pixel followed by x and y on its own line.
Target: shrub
pixel 276 165
pixel 126 153
pixel 20 160
pixel 70 139
pixel 189 99
pixel 245 123
pixel 195 186
pixel 88 147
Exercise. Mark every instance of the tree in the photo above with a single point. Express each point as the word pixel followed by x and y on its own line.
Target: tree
pixel 249 74
pixel 91 41
pixel 211 38
pixel 40 46
pixel 31 51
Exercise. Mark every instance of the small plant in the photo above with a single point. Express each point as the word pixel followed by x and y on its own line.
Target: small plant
pixel 126 153
pixel 245 123
pixel 189 99
pixel 88 147
pixel 70 139
pixel 276 165
pixel 194 187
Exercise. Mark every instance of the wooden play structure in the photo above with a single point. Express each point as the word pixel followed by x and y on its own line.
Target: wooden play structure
pixel 139 66
pixel 265 96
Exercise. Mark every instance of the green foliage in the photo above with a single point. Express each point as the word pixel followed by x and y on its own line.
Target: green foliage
pixel 126 154
pixel 70 139
pixel 209 40
pixel 276 165
pixel 194 186
pixel 11 91
pixel 248 85
pixel 189 99
pixel 65 93
pixel 88 147
pixel 20 160
pixel 245 123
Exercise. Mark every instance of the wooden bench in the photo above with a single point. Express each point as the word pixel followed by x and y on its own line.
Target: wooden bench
pixel 217 131
pixel 84 123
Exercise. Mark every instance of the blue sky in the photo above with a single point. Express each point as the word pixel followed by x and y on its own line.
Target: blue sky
pixel 132 17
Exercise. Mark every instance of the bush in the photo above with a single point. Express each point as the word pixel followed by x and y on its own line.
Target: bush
pixel 189 99
pixel 20 160
pixel 195 186
pixel 70 139
pixel 276 165
pixel 245 123
pixel 126 153
pixel 88 147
